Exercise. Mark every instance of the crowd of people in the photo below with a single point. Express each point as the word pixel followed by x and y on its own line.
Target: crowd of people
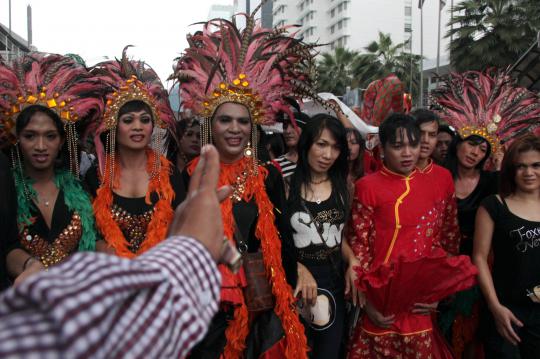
pixel 424 246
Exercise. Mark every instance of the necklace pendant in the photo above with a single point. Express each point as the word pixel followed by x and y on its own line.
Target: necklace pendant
pixel 318 201
pixel 46 203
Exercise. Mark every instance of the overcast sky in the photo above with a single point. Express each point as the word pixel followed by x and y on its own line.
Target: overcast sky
pixel 98 28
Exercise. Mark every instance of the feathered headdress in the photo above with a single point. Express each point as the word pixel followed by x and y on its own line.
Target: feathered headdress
pixel 488 105
pixel 129 80
pixel 255 67
pixel 53 81
pixel 381 98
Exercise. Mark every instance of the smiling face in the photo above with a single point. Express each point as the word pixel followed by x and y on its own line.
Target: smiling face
pixel 401 156
pixel 134 130
pixel 471 152
pixel 323 153
pixel 231 130
pixel 40 142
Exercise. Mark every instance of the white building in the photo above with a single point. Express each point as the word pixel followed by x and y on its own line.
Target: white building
pixel 221 12
pixel 355 23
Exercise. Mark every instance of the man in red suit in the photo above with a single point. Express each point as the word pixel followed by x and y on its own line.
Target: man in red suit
pixel 397 213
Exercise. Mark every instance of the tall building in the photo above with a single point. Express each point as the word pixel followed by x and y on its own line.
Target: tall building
pixel 247 6
pixel 11 44
pixel 355 23
pixel 221 11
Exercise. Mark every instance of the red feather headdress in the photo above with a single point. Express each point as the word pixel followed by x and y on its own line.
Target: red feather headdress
pixel 256 67
pixel 53 81
pixel 129 80
pixel 488 105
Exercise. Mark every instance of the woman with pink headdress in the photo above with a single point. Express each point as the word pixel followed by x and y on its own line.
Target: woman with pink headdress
pixel 135 189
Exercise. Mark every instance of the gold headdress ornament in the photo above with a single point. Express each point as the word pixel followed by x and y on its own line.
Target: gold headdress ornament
pixel 488 105
pixel 258 68
pixel 129 80
pixel 52 81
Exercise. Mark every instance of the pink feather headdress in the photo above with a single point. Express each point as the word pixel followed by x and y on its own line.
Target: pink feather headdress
pixel 53 81
pixel 488 105
pixel 129 80
pixel 255 67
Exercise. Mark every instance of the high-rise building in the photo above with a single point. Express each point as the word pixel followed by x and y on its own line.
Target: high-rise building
pixel 355 23
pixel 247 6
pixel 221 11
pixel 11 44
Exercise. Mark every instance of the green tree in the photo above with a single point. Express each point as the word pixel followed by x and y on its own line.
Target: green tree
pixel 383 58
pixel 335 71
pixel 490 33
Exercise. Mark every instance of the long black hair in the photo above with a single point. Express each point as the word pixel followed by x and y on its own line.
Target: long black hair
pixel 24 119
pixel 452 161
pixel 301 177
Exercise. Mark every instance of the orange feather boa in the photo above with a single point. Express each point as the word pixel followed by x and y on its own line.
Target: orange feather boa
pixel 266 232
pixel 161 218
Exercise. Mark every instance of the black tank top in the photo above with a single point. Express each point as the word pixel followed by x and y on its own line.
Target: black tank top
pixel 516 250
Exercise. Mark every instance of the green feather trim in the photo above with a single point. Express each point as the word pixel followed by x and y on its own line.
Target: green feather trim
pixel 76 199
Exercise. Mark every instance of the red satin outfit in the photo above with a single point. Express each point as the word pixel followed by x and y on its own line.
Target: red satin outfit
pixel 401 216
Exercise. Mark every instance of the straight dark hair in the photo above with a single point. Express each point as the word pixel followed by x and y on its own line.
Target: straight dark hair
pixel 452 161
pixel 301 177
pixel 24 119
pixel 422 115
pixel 135 106
pixel 357 166
pixel 507 182
pixel 395 121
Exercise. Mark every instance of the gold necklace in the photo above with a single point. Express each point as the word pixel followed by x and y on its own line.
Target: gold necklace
pixel 319 182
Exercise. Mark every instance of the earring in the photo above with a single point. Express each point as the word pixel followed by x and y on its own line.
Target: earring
pixel 248 151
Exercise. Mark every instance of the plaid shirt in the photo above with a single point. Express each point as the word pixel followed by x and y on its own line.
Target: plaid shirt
pixel 158 305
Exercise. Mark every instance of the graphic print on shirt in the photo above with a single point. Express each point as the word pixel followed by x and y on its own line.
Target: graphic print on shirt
pixel 306 231
pixel 526 238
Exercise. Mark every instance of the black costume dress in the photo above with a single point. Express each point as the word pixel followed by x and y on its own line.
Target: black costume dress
pixel 266 329
pixel 8 218
pixel 133 215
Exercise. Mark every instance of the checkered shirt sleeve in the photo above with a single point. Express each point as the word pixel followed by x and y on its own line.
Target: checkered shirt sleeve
pixel 158 305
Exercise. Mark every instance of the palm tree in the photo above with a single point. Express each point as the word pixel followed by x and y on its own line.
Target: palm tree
pixel 335 71
pixel 490 33
pixel 383 58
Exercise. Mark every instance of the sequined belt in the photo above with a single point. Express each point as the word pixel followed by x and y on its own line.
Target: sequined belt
pixel 318 255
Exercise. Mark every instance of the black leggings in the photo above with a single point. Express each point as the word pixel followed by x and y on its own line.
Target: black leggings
pixel 328 343
pixel 529 347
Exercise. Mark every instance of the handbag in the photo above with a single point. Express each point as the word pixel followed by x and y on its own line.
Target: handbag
pixel 258 294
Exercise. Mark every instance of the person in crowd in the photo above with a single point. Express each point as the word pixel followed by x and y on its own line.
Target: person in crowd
pixel 436 176
pixel 356 145
pixel 444 139
pixel 287 163
pixel 45 98
pixel 165 297
pixel 509 225
pixel 397 218
pixel 481 126
pixel 135 188
pixel 318 207
pixel 257 316
pixel 8 218
pixel 275 145
pixel 189 143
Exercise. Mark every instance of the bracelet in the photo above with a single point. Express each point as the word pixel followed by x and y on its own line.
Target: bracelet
pixel 26 262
